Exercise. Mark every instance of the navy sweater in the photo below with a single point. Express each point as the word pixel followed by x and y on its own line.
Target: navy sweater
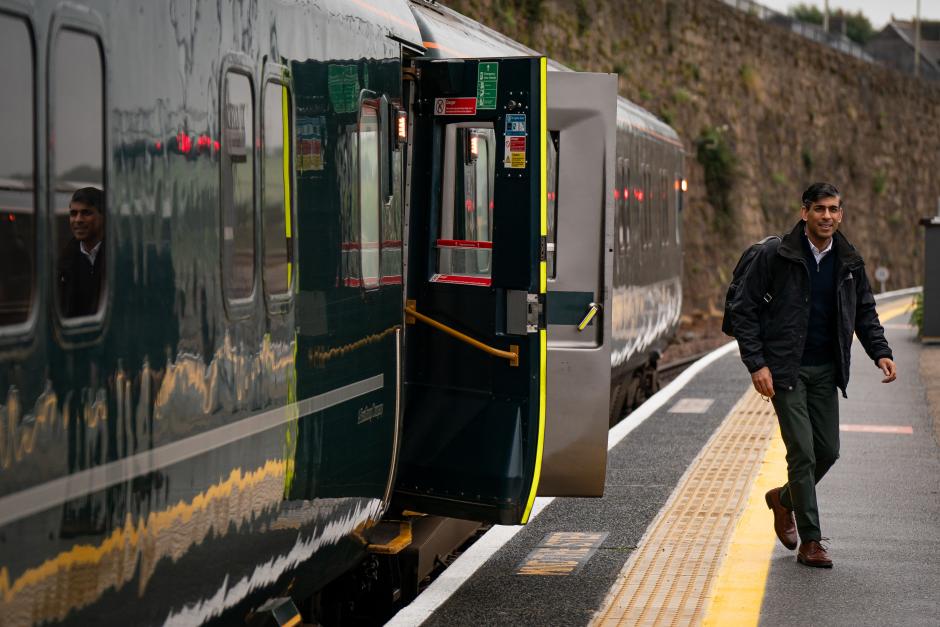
pixel 821 330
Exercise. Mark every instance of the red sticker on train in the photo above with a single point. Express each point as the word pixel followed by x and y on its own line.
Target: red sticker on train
pixel 455 106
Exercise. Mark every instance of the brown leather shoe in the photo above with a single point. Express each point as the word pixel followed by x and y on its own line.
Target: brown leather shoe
pixel 784 523
pixel 813 554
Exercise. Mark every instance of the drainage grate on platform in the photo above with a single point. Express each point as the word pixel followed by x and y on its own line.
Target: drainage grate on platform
pixel 667 580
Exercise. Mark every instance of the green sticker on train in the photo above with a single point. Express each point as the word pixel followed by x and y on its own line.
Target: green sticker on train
pixel 343 86
pixel 487 80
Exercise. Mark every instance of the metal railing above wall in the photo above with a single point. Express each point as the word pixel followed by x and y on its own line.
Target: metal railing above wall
pixel 810 31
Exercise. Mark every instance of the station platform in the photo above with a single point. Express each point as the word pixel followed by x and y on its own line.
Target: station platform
pixel 682 535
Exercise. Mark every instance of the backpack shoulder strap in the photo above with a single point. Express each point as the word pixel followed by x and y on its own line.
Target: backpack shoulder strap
pixel 778 273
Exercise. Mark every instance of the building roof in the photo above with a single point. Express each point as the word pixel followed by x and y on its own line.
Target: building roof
pixel 929 38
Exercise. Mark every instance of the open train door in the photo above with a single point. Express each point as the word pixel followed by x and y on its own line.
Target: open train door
pixel 582 117
pixel 475 337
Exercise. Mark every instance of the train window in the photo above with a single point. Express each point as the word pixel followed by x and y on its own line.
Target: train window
pixel 17 173
pixel 664 209
pixel 551 193
pixel 465 242
pixel 369 192
pixel 622 232
pixel 636 176
pixel 675 210
pixel 78 155
pixel 645 209
pixel 627 204
pixel 276 222
pixel 238 184
pixel 619 218
pixel 652 206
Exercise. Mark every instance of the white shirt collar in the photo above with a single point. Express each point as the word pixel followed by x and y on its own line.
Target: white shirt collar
pixel 90 254
pixel 817 254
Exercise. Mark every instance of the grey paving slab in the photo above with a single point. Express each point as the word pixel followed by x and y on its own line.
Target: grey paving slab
pixel 642 472
pixel 880 505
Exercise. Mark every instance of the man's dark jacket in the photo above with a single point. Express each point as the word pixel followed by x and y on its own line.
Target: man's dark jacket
pixel 773 333
pixel 79 280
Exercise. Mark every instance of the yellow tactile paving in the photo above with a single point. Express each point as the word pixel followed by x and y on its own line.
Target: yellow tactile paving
pixel 667 581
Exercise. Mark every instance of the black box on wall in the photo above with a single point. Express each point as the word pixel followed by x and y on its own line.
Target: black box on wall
pixel 931 279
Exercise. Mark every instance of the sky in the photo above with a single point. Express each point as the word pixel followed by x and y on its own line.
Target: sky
pixel 877 11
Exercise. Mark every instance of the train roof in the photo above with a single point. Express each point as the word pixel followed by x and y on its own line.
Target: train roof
pixel 451 34
pixel 392 17
pixel 446 33
pixel 639 118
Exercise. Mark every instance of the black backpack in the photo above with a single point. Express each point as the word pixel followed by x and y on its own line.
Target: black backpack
pixel 737 278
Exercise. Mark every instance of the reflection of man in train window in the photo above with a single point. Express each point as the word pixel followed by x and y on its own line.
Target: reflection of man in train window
pixel 82 261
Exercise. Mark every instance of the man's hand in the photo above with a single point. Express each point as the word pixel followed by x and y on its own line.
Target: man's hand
pixel 887 366
pixel 764 383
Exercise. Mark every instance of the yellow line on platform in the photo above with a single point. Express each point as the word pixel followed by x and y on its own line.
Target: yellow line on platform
pixel 894 312
pixel 738 593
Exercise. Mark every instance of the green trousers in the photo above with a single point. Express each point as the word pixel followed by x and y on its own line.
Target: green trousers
pixel 809 423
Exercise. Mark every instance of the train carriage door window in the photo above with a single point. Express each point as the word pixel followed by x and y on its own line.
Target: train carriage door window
pixel 392 210
pixel 276 214
pixel 465 245
pixel 17 172
pixel 238 224
pixel 370 182
pixel 551 156
pixel 80 214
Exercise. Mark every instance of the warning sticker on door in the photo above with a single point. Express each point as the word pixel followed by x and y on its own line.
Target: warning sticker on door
pixel 487 80
pixel 515 124
pixel 514 156
pixel 455 106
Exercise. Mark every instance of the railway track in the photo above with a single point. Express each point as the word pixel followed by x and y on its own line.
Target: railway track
pixel 670 370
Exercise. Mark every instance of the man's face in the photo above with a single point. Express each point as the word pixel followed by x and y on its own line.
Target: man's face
pixel 823 217
pixel 86 222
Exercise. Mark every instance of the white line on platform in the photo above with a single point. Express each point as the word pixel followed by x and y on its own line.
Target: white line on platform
pixel 490 542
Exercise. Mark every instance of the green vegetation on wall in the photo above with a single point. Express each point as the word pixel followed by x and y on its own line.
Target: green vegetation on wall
pixel 720 164
pixel 917 314
pixel 858 28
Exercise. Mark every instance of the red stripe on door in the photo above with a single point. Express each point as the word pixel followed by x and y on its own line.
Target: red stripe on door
pixel 463 243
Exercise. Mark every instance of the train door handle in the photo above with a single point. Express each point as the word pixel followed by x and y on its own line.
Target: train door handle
pixel 593 308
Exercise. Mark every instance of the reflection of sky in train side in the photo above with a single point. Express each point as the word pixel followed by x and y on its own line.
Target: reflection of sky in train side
pixel 75 156
pixel 642 314
pixel 16 157
pixel 15 201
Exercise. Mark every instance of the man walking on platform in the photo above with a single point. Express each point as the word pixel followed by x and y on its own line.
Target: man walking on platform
pixel 801 300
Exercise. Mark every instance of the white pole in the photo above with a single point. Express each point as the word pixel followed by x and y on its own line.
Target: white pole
pixel 826 17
